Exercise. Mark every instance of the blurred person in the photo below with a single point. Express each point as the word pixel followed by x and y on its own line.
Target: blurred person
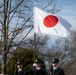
pixel 37 68
pixel 55 69
pixel 19 69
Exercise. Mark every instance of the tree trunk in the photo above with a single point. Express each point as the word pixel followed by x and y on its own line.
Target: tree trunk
pixel 3 62
pixel 5 35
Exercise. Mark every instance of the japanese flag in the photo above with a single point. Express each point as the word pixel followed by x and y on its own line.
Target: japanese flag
pixel 45 22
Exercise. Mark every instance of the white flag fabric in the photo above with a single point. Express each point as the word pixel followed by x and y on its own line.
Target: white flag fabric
pixel 45 22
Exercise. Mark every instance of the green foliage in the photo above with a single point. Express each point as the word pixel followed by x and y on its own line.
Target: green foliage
pixel 25 55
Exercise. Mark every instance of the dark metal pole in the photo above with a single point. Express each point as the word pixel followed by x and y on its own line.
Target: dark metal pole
pixel 34 46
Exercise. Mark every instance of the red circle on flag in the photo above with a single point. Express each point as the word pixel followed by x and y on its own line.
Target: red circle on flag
pixel 50 21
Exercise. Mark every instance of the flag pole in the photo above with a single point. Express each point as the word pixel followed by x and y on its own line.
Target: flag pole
pixel 34 46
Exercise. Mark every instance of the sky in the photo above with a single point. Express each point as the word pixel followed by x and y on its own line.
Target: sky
pixel 68 11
